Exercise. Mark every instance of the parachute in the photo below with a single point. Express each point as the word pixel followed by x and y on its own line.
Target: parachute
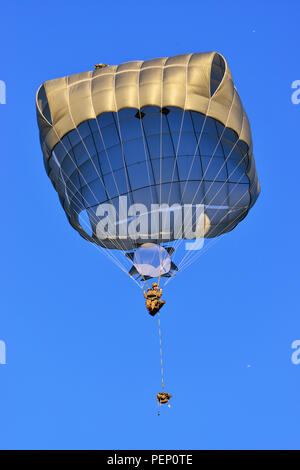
pixel 156 152
pixel 149 159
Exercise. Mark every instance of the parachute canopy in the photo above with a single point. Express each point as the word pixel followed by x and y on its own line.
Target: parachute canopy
pixel 149 152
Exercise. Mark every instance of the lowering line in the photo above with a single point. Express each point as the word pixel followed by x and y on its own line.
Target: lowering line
pixel 161 355
pixel 162 397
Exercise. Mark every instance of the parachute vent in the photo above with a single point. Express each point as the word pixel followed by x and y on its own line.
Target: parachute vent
pixel 139 115
pixel 43 104
pixel 217 73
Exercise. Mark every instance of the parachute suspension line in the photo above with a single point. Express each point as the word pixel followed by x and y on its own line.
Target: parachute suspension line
pixel 105 149
pixel 176 151
pixel 118 130
pixel 159 277
pixel 161 354
pixel 188 256
pixel 107 253
pixel 118 245
pixel 175 165
pixel 145 143
pixel 211 158
pixel 145 281
pixel 187 261
pixel 159 271
pixel 213 153
pixel 198 139
pixel 161 145
pixel 78 169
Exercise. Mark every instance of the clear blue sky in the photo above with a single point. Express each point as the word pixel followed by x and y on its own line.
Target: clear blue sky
pixel 82 354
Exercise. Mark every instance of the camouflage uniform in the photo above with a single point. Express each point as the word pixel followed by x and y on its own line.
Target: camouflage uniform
pixel 153 302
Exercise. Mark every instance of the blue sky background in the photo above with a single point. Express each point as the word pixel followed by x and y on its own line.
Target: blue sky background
pixel 82 353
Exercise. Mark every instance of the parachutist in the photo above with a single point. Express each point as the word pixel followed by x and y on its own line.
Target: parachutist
pixel 153 302
pixel 79 117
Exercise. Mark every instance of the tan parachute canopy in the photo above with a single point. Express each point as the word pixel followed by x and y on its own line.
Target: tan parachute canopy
pixel 73 113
